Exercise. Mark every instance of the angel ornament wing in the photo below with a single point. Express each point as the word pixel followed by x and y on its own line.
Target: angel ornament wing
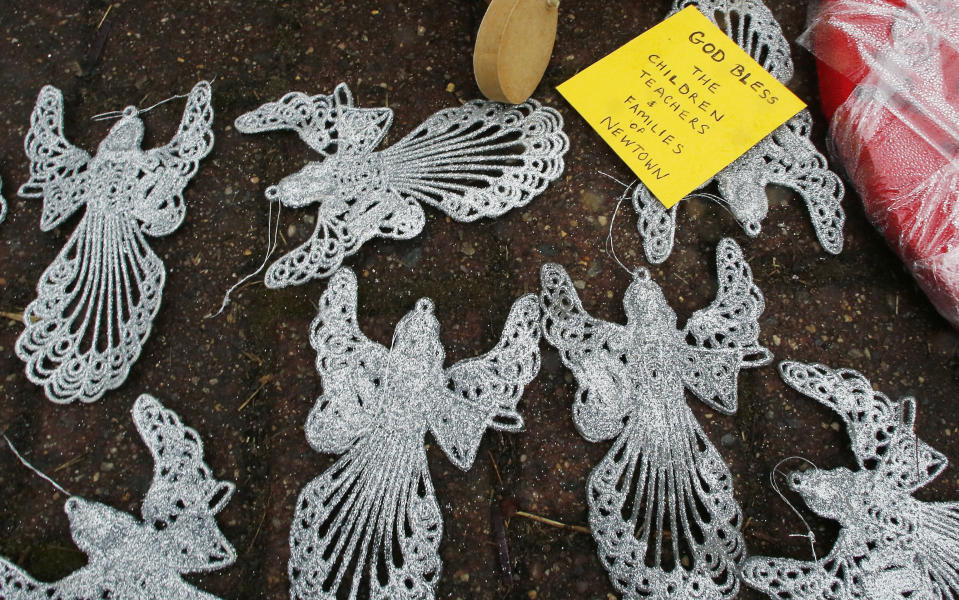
pixel 473 161
pixel 96 302
pixel 661 505
pixel 370 526
pixel 891 546
pixel 786 157
pixel 134 559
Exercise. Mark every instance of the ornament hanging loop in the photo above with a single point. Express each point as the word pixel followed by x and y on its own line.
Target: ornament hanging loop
pixel 131 111
pixel 775 485
pixel 640 272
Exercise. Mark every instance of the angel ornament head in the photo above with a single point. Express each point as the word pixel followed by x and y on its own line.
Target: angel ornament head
pixel 144 559
pixel 891 546
pixel 473 161
pixel 661 505
pixel 786 157
pixel 96 302
pixel 370 526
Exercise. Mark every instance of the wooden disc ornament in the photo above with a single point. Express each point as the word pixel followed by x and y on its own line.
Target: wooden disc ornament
pixel 513 47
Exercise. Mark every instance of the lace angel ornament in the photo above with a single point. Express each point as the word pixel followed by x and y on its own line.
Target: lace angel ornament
pixel 661 505
pixel 370 526
pixel 144 560
pixel 890 545
pixel 477 160
pixel 786 157
pixel 96 302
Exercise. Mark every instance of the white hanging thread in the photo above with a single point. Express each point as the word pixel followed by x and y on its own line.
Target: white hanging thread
pixel 610 247
pixel 42 475
pixel 272 236
pixel 772 480
pixel 116 114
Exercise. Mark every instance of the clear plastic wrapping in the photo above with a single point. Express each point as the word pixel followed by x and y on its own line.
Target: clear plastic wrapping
pixel 897 134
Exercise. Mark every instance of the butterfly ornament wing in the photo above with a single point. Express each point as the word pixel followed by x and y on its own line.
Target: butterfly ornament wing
pixel 483 392
pixel 723 337
pixel 594 350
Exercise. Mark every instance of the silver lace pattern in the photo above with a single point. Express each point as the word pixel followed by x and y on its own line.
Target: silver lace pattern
pixel 133 559
pixel 786 157
pixel 661 505
pixel 3 204
pixel 96 302
pixel 890 545
pixel 477 160
pixel 370 526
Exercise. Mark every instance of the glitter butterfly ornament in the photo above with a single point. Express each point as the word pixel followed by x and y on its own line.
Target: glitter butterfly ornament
pixel 370 526
pixel 786 157
pixel 890 544
pixel 96 302
pixel 661 505
pixel 145 560
pixel 478 160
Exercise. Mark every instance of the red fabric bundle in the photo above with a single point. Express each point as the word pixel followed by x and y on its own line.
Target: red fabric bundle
pixel 889 81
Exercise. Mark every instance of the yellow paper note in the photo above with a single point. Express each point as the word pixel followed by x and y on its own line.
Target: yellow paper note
pixel 679 103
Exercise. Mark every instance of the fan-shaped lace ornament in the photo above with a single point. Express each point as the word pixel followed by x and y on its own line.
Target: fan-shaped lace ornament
pixel 370 525
pixel 661 505
pixel 477 160
pixel 786 157
pixel 96 302
pixel 144 559
pixel 890 544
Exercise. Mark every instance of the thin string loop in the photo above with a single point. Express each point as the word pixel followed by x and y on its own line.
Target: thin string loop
pixel 641 272
pixel 42 475
pixel 272 238
pixel 775 485
pixel 114 114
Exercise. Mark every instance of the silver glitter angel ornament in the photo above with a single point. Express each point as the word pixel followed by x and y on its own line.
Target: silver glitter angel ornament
pixel 477 160
pixel 370 526
pixel 786 157
pixel 890 545
pixel 661 505
pixel 144 559
pixel 96 302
